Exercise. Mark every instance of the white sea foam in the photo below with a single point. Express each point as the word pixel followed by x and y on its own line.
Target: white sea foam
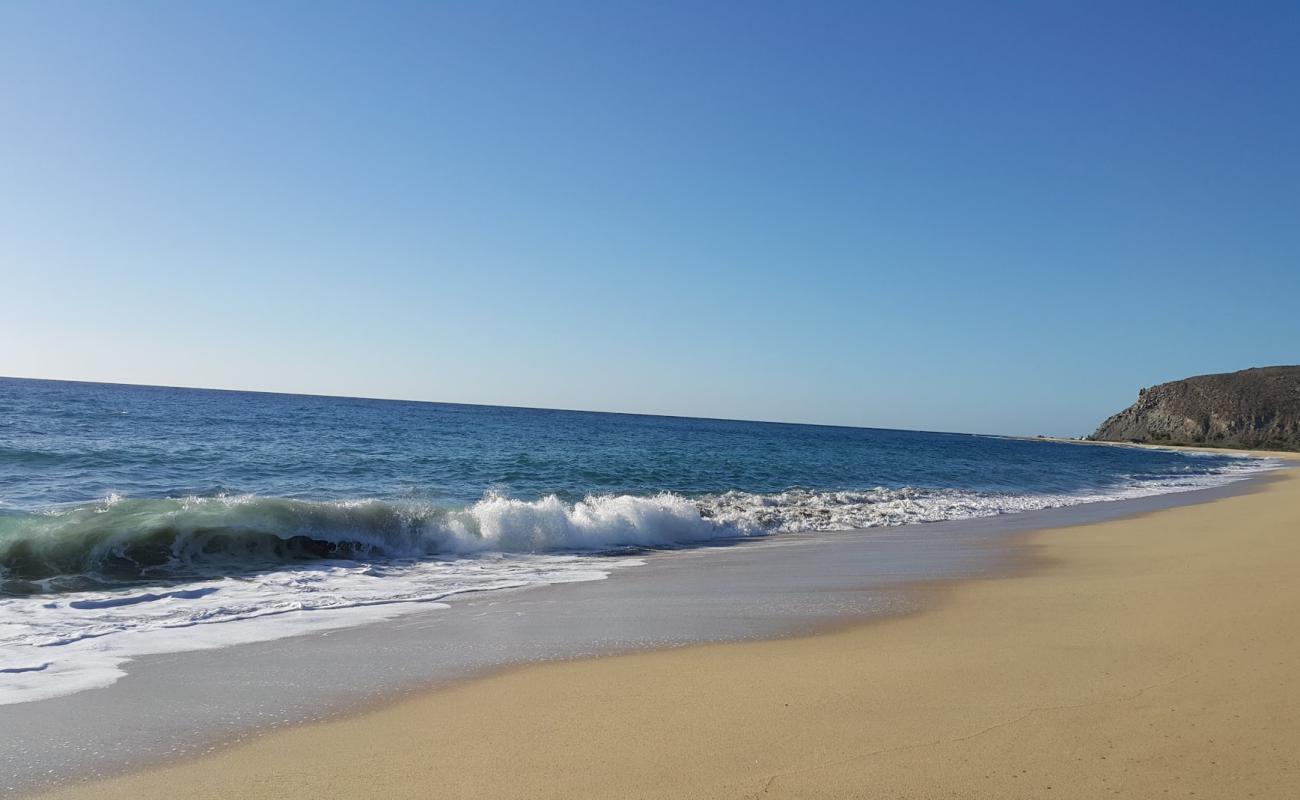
pixel 500 524
pixel 820 510
pixel 53 644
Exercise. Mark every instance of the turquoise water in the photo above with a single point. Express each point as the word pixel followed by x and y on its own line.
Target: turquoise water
pixel 127 512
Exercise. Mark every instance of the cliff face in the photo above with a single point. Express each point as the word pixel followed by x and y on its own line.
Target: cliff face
pixel 1255 408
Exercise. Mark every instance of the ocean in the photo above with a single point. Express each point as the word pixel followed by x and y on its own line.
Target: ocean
pixel 138 520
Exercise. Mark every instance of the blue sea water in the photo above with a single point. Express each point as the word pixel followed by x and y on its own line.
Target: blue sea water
pixel 132 518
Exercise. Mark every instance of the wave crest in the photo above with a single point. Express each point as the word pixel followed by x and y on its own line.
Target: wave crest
pixel 123 538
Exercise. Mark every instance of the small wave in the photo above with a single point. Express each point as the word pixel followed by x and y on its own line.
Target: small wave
pixel 19 670
pixel 147 597
pixel 815 510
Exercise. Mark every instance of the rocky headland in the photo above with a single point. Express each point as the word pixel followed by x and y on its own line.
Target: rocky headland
pixel 1255 408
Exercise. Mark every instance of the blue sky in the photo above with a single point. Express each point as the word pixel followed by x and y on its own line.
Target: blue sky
pixel 958 216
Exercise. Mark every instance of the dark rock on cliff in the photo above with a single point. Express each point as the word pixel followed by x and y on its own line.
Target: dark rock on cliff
pixel 1255 408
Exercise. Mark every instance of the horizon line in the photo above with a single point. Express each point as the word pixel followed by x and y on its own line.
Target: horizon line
pixel 500 405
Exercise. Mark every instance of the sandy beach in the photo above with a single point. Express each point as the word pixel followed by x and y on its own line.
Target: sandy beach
pixel 1143 657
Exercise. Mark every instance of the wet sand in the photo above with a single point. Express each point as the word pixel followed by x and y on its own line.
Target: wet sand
pixel 1143 657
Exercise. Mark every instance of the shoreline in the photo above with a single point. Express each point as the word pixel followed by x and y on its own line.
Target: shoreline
pixel 158 688
pixel 410 550
pixel 936 597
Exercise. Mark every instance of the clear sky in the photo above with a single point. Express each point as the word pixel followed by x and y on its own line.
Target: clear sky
pixel 991 217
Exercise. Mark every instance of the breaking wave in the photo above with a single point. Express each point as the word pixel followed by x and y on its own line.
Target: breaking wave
pixel 120 539
pixel 129 539
pixel 86 588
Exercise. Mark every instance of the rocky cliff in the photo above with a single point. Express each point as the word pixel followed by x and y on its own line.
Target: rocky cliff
pixel 1255 408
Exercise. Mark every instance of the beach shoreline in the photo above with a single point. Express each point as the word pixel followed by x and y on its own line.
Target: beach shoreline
pixel 174 706
pixel 187 778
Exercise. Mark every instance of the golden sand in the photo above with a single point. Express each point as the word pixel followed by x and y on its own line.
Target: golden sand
pixel 1155 656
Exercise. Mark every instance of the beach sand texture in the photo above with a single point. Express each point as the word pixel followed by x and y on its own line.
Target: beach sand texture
pixel 1153 656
